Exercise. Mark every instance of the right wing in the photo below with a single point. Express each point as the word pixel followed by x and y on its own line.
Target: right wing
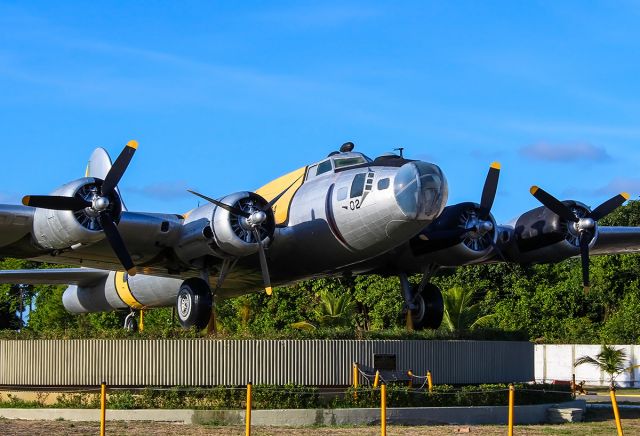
pixel 616 240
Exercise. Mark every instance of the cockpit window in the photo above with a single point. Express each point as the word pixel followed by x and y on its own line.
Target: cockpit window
pixel 323 167
pixel 348 161
pixel 357 187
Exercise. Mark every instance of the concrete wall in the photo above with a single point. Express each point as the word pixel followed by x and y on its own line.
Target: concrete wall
pixel 203 362
pixel 555 362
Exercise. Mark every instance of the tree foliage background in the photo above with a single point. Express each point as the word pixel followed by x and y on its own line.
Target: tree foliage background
pixel 546 303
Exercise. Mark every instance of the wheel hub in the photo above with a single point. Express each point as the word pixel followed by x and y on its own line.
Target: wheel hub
pixel 184 305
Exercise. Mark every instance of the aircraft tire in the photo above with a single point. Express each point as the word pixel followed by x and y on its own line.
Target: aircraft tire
pixel 430 308
pixel 130 323
pixel 193 303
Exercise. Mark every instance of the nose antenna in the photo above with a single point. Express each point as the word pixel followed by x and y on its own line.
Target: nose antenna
pixel 400 149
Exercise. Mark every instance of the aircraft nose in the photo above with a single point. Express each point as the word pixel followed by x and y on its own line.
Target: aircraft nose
pixel 421 190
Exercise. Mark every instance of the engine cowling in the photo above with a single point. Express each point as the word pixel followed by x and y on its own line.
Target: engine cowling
pixel 443 239
pixel 212 230
pixel 541 234
pixel 233 234
pixel 59 229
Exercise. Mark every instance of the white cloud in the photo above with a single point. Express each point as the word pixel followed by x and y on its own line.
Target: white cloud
pixel 564 152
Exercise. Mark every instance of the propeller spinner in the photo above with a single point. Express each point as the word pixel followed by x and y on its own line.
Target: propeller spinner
pixel 98 205
pixel 584 226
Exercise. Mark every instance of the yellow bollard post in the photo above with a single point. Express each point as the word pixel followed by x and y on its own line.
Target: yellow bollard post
pixel 141 325
pixel 616 412
pixel 383 410
pixel 247 417
pixel 376 379
pixel 430 381
pixel 511 403
pixel 103 408
pixel 410 374
pixel 355 379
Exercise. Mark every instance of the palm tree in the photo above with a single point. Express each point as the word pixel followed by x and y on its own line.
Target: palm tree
pixel 459 313
pixel 609 360
pixel 334 310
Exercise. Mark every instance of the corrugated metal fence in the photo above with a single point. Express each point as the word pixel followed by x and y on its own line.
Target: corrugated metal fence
pixel 202 362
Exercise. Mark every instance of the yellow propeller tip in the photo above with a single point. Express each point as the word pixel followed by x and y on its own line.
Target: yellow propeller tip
pixel 132 271
pixel 625 195
pixel 25 200
pixel 495 165
pixel 133 144
pixel 533 190
pixel 269 290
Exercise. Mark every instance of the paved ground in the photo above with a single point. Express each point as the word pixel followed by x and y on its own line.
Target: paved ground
pixel 599 423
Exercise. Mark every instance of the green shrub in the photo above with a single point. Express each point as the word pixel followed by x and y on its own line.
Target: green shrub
pixel 78 401
pixel 292 396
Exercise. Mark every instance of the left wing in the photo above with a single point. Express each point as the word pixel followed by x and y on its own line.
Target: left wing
pixel 60 276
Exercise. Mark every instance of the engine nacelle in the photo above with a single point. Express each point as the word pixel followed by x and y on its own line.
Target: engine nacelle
pixel 233 234
pixel 212 230
pixel 59 229
pixel 455 250
pixel 118 290
pixel 541 234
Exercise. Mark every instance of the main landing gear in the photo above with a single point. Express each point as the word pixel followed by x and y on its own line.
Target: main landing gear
pixel 423 302
pixel 194 303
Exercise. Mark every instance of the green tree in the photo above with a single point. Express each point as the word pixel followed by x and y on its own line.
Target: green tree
pixel 609 360
pixel 460 313
pixel 334 310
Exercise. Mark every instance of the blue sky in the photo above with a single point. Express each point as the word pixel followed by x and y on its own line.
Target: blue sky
pixel 225 96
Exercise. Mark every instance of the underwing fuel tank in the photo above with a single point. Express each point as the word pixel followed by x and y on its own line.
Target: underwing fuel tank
pixel 118 290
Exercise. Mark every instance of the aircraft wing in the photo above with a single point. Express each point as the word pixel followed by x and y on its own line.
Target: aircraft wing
pixel 16 223
pixel 60 276
pixel 615 240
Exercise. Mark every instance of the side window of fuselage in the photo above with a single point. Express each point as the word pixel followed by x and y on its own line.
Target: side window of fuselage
pixel 357 187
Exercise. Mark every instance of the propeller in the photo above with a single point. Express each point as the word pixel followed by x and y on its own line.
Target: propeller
pixel 255 219
pixel 482 225
pixel 97 205
pixel 583 226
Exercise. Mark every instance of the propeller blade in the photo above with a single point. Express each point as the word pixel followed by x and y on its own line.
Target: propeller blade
pixel 553 204
pixel 489 191
pixel 608 206
pixel 55 202
pixel 263 264
pixel 231 209
pixel 118 168
pixel 117 244
pixel 274 200
pixel 584 257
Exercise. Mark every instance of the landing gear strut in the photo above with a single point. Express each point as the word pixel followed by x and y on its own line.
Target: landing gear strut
pixel 424 302
pixel 194 303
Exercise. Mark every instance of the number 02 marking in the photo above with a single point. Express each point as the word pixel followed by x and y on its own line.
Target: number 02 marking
pixel 355 204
